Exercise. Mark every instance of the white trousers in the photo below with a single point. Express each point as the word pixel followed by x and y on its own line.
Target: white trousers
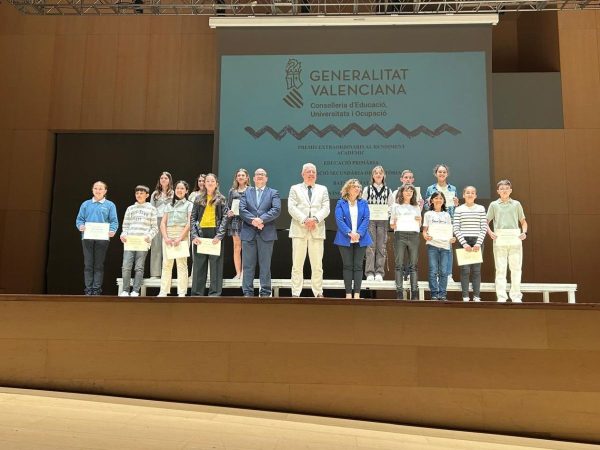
pixel 314 247
pixel 511 255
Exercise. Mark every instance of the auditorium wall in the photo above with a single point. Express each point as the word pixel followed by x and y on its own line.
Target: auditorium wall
pixel 149 74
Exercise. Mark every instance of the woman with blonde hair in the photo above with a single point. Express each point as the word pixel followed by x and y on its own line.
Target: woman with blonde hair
pixel 352 237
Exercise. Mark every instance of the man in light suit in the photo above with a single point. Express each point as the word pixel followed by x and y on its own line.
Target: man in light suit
pixel 308 204
pixel 259 207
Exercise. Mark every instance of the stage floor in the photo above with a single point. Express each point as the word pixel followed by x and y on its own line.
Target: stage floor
pixel 31 419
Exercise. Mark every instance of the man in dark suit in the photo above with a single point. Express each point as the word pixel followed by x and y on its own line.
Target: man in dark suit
pixel 259 207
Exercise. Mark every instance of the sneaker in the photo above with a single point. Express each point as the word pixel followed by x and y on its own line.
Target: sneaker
pixel 370 277
pixel 450 279
pixel 134 294
pixel 181 295
pixel 378 277
pixel 466 299
pixel 124 294
pixel 414 295
pixel 162 294
pixel 476 299
pixel 400 295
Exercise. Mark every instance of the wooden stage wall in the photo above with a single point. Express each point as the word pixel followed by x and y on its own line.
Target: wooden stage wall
pixel 529 369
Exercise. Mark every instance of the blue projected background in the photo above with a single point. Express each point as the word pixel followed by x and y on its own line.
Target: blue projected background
pixel 347 113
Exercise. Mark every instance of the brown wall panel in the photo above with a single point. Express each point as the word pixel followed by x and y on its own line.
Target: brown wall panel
pixel 585 242
pixel 580 77
pixel 131 82
pixel 31 169
pixel 552 262
pixel 23 256
pixel 99 82
pixel 582 146
pixel 67 83
pixel 33 93
pixel 10 49
pixel 197 83
pixel 576 20
pixel 511 161
pixel 138 24
pixel 505 45
pixel 538 42
pixel 163 82
pixel 547 159
pixel 11 22
pixel 529 384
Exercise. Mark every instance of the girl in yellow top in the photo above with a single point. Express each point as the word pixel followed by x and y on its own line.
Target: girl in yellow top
pixel 208 220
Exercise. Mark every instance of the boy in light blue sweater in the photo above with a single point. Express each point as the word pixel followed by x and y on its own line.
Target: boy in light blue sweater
pixel 97 210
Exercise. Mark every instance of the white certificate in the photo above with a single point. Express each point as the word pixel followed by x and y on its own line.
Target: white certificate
pixel 440 231
pixel 180 251
pixel 96 230
pixel 207 247
pixel 418 190
pixel 464 257
pixel 406 222
pixel 449 196
pixel 379 212
pixel 235 206
pixel 507 237
pixel 136 244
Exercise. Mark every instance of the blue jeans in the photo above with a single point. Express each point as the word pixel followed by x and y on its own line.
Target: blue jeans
pixel 438 277
pixel 136 260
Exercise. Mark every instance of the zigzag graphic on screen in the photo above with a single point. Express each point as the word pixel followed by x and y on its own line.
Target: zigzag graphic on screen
pixel 398 128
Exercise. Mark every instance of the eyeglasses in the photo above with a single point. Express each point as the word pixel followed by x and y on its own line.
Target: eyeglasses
pixel 260 174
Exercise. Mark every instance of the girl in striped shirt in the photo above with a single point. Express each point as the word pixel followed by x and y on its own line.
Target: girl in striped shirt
pixel 470 227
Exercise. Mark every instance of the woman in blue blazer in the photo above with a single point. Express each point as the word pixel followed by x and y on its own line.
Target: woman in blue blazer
pixel 352 237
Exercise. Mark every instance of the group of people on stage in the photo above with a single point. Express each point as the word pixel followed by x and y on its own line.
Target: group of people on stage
pixel 175 220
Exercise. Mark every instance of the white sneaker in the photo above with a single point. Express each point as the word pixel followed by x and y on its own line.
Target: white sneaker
pixel 134 294
pixel 370 278
pixel 124 294
pixel 465 299
pixel 450 279
pixel 516 300
pixel 162 294
pixel 181 295
pixel 378 277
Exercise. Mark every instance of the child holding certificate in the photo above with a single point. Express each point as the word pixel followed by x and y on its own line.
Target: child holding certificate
pixel 241 181
pixel 405 220
pixel 379 198
pixel 437 231
pixel 97 220
pixel 161 197
pixel 441 173
pixel 208 225
pixel 470 227
pixel 175 229
pixel 507 215
pixel 139 228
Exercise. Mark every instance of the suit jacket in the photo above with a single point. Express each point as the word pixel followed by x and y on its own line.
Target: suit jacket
pixel 301 208
pixel 268 210
pixel 344 223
